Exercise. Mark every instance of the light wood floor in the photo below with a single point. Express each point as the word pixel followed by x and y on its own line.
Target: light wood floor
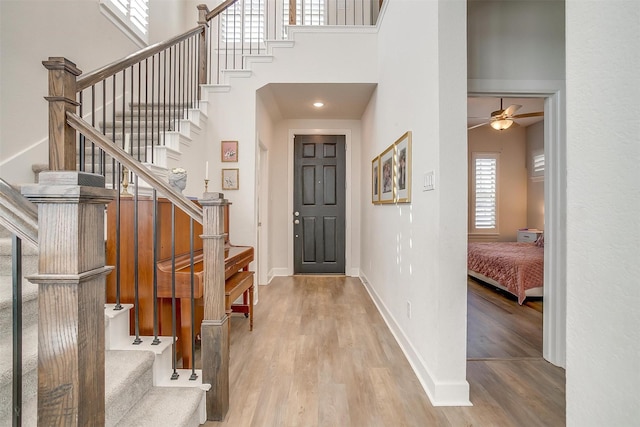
pixel 321 355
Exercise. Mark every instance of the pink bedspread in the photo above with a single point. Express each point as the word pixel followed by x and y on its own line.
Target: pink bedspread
pixel 516 266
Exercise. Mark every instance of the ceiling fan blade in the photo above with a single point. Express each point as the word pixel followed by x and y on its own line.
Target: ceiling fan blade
pixel 511 109
pixel 525 115
pixel 477 126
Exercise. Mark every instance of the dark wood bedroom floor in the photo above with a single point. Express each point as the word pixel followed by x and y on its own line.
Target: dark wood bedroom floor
pixel 320 354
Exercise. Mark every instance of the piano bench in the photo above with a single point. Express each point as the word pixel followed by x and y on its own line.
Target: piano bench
pixel 239 284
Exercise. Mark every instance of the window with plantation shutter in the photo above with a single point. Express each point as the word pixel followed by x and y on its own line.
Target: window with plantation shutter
pixel 250 18
pixel 485 192
pixel 308 12
pixel 131 16
pixel 537 167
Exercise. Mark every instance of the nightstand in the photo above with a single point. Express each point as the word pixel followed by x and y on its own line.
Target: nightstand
pixel 529 236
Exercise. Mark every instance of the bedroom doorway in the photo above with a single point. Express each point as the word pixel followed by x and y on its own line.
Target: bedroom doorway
pixel 551 210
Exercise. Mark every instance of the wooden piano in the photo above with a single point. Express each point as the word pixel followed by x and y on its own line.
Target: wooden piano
pixel 237 258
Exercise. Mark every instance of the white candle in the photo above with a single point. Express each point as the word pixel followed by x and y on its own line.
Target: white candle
pixel 126 142
pixel 206 170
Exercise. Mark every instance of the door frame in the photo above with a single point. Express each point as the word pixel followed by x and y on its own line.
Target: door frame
pixel 262 213
pixel 555 200
pixel 348 270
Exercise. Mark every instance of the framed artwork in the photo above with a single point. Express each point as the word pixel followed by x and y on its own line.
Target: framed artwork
pixel 387 168
pixel 402 176
pixel 230 179
pixel 375 180
pixel 229 151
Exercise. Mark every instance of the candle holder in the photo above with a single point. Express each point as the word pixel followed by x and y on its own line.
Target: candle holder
pixel 125 183
pixel 206 185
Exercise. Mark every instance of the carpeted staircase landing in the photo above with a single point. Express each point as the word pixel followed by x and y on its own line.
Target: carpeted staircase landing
pixel 137 387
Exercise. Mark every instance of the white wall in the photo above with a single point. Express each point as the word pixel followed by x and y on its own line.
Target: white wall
pixel 512 176
pixel 516 40
pixel 415 253
pixel 603 192
pixel 242 113
pixel 32 31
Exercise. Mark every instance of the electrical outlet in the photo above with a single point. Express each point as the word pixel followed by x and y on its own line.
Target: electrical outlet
pixel 409 309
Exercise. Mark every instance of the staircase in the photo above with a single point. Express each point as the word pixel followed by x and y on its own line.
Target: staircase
pixel 138 391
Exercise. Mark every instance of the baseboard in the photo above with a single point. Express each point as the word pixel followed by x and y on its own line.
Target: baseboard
pixel 439 393
pixel 275 272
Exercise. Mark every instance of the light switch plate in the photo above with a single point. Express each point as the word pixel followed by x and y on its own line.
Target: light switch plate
pixel 429 181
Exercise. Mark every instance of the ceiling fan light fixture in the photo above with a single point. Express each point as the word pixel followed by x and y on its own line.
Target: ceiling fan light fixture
pixel 501 124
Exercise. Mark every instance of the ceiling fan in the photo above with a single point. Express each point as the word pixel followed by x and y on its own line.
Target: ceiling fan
pixel 502 119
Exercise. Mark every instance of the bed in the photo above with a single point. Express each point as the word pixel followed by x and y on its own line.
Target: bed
pixel 515 267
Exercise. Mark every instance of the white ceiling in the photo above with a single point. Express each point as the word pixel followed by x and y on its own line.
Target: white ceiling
pixel 341 100
pixel 479 109
pixel 348 101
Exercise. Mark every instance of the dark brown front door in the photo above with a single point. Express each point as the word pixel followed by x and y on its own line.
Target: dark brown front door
pixel 319 204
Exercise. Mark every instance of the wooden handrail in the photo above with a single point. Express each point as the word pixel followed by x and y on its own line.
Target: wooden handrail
pixel 18 214
pixel 100 74
pixel 220 8
pixel 124 158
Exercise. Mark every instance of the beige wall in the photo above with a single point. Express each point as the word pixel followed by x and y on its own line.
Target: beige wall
pixel 512 177
pixel 535 187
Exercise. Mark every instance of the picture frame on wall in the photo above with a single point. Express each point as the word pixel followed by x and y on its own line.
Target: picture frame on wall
pixel 387 175
pixel 230 179
pixel 229 151
pixel 375 180
pixel 402 176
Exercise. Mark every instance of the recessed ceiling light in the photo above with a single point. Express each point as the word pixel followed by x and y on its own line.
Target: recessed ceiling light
pixel 318 104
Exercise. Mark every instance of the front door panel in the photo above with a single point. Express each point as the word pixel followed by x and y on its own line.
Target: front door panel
pixel 319 201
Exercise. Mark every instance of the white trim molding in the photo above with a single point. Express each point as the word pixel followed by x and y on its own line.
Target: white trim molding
pixel 440 393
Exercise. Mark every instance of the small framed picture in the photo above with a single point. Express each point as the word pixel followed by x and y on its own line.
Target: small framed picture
pixel 387 168
pixel 402 176
pixel 230 179
pixel 375 180
pixel 229 151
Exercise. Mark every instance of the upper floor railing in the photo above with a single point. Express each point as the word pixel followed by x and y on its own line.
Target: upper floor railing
pixel 241 28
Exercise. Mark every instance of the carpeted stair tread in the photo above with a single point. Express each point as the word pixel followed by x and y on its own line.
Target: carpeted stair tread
pixel 165 406
pixel 128 377
pixel 29 353
pixel 29 370
pixel 29 303
pixel 6 248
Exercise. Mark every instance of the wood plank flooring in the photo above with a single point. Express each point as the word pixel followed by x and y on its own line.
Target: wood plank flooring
pixel 321 355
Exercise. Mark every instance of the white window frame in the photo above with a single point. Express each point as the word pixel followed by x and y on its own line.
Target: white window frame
pixel 130 16
pixel 473 220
